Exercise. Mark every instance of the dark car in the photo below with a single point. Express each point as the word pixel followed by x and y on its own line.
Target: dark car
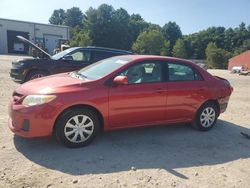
pixel 68 60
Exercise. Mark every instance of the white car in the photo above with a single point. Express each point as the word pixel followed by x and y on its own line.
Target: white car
pixel 237 69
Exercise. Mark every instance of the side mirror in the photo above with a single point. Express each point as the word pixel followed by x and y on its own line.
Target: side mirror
pixel 67 58
pixel 120 80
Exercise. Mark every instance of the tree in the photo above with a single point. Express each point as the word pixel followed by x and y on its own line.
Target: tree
pixel 244 47
pixel 228 39
pixel 81 38
pixel 113 28
pixel 172 32
pixel 120 36
pixel 216 57
pixel 165 50
pixel 99 22
pixel 151 42
pixel 57 17
pixel 241 34
pixel 74 17
pixel 179 49
pixel 136 25
pixel 199 41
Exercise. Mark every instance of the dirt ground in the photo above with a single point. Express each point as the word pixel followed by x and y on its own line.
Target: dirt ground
pixel 168 156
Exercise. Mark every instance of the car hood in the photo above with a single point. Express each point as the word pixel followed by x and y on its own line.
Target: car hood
pixel 33 45
pixel 52 84
pixel 20 61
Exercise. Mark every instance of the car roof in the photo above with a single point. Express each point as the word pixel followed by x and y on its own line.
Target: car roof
pixel 155 57
pixel 104 49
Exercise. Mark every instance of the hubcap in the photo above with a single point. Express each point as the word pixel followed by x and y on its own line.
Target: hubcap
pixel 207 117
pixel 36 76
pixel 78 128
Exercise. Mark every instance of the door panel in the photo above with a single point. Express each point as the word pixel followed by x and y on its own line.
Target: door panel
pixel 143 100
pixel 137 104
pixel 183 99
pixel 186 91
pixel 80 59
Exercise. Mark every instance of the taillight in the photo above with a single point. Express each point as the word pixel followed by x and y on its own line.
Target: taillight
pixel 228 84
pixel 231 88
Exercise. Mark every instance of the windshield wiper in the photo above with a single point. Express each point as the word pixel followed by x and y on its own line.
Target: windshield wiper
pixel 75 74
pixel 80 74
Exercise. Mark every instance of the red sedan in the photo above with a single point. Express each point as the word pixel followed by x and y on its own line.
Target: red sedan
pixel 119 92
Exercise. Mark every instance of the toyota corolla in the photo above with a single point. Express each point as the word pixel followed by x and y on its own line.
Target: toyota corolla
pixel 119 92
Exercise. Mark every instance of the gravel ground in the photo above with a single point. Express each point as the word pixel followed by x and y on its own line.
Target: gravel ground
pixel 166 156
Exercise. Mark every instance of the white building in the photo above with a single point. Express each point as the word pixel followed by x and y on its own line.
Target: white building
pixel 43 34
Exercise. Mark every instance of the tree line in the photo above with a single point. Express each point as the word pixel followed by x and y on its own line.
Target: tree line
pixel 115 28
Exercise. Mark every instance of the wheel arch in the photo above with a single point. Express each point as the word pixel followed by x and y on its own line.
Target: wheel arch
pixel 34 70
pixel 81 106
pixel 214 101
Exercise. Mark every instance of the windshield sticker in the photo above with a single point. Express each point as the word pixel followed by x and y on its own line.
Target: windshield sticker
pixel 120 61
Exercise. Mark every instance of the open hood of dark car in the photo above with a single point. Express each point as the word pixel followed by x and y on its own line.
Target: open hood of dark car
pixel 33 45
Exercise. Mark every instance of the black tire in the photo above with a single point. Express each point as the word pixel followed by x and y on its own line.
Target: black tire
pixel 205 122
pixel 35 74
pixel 65 122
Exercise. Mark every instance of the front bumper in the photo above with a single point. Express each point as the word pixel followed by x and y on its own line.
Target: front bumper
pixel 36 121
pixel 17 74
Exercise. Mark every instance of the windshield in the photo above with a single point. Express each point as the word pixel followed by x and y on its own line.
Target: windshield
pixel 103 67
pixel 62 53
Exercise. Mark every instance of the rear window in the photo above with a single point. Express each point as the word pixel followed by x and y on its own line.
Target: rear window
pixel 99 55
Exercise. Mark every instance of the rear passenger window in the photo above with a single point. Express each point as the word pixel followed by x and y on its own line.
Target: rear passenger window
pixel 102 55
pixel 180 72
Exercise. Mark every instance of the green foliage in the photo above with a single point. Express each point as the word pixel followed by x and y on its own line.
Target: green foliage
pixel 81 38
pixel 180 49
pixel 216 57
pixel 57 17
pixel 165 50
pixel 172 32
pixel 136 25
pixel 151 42
pixel 74 17
pixel 244 47
pixel 107 27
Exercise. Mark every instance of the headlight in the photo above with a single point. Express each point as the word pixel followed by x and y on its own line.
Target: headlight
pixel 20 63
pixel 32 100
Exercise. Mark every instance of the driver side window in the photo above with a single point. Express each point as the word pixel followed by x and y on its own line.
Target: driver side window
pixel 144 73
pixel 81 56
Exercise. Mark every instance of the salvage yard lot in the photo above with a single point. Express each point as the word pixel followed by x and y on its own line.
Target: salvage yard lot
pixel 176 156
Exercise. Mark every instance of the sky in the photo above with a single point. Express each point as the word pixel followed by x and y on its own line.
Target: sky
pixel 191 15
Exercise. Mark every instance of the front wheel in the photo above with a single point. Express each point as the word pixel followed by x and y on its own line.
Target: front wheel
pixel 35 74
pixel 77 127
pixel 206 116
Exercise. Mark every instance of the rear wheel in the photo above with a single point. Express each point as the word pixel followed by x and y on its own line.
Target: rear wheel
pixel 206 116
pixel 35 74
pixel 77 127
